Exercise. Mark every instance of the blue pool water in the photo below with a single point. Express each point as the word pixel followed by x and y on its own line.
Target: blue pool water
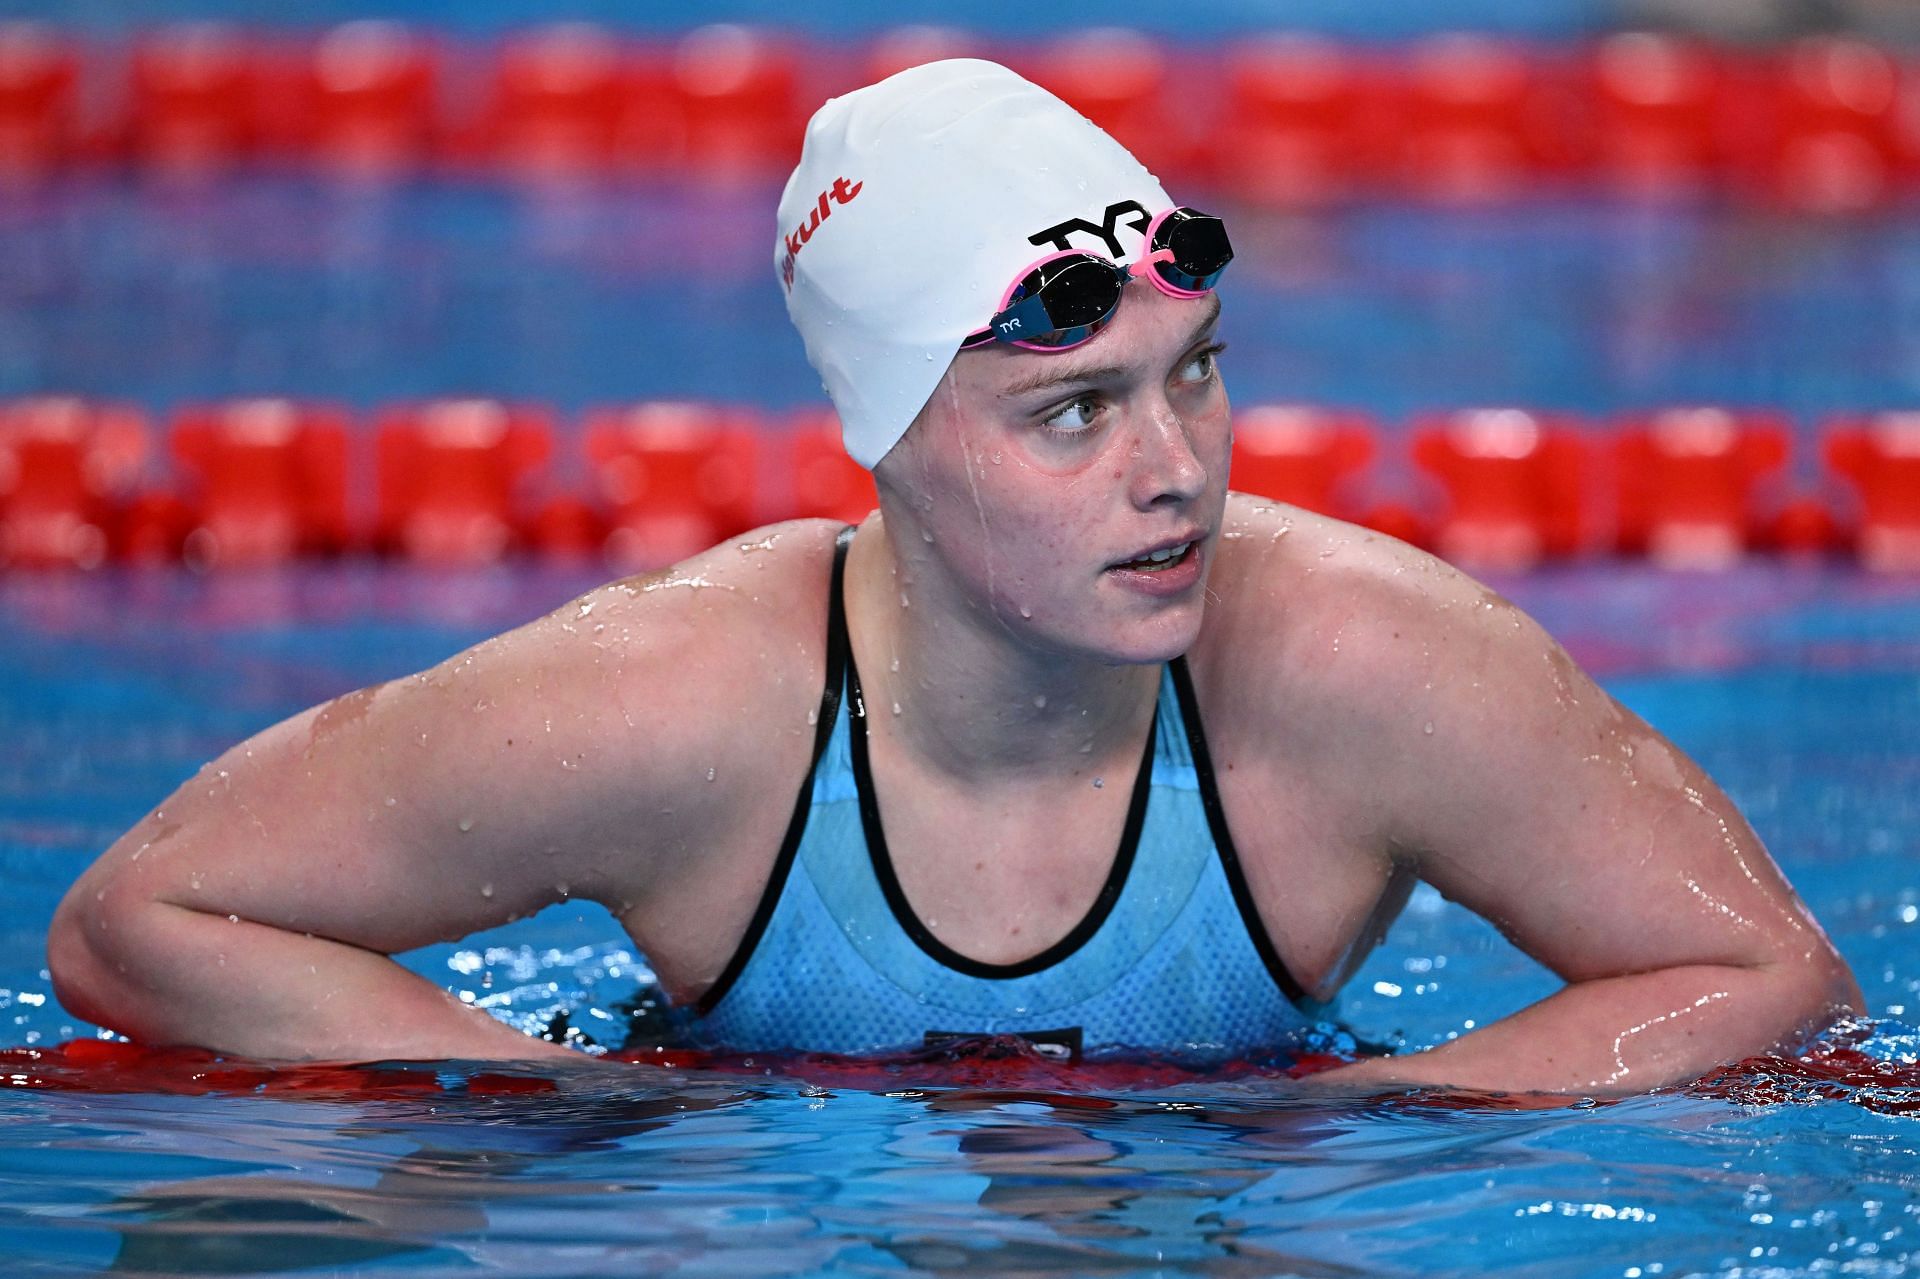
pixel 1798 686
pixel 274 286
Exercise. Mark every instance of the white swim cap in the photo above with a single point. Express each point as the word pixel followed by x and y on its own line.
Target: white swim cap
pixel 916 202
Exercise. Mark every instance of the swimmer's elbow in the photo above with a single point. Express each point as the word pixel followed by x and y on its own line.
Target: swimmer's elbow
pixel 1834 991
pixel 93 947
pixel 78 972
pixel 1810 991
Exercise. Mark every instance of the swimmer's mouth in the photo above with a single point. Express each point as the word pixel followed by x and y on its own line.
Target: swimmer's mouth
pixel 1160 560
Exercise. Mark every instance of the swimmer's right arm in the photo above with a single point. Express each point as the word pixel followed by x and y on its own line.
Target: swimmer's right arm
pixel 254 911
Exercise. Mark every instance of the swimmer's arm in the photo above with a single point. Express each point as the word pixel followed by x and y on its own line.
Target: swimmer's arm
pixel 255 910
pixel 1596 847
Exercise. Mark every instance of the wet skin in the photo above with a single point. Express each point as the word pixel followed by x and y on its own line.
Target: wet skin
pixel 1375 717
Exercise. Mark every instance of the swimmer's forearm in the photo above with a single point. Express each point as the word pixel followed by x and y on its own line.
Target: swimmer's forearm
pixel 175 976
pixel 1620 1035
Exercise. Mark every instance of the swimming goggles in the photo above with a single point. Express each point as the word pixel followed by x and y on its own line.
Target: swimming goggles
pixel 1065 298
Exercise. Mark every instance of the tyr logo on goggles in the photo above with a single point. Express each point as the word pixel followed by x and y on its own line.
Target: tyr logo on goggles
pixel 1066 298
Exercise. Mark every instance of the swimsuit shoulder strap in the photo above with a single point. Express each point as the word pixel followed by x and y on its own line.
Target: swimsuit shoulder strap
pixel 837 649
pixel 1223 837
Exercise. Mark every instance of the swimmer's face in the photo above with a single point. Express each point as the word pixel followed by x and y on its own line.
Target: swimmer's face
pixel 1043 477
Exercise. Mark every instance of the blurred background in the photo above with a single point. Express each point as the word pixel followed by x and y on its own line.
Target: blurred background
pixel 1517 279
pixel 332 344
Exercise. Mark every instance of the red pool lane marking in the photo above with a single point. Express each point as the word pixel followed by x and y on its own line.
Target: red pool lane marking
pixel 1832 1074
pixel 102 1066
pixel 1009 1067
pixel 988 1068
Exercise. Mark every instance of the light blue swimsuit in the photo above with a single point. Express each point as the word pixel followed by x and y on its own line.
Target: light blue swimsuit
pixel 1172 959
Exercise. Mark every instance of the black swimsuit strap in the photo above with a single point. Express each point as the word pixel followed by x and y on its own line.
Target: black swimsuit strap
pixel 837 663
pixel 1223 837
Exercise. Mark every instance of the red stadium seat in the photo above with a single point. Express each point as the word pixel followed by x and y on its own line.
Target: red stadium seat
pixel 195 101
pixel 1515 485
pixel 1301 125
pixel 738 90
pixel 827 484
pixel 38 113
pixel 450 475
pixel 369 104
pixel 1656 102
pixel 676 477
pixel 1880 456
pixel 1835 138
pixel 267 481
pixel 1302 456
pixel 1119 79
pixel 65 465
pixel 1687 479
pixel 558 101
pixel 1480 117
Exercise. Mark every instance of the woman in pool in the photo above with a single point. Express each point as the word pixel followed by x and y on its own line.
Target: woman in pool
pixel 1065 740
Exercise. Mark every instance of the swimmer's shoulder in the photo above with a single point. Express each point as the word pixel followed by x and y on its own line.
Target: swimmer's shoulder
pixel 663 674
pixel 1333 627
pixel 748 614
pixel 779 573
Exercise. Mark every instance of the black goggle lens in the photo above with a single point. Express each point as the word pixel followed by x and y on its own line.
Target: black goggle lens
pixel 1078 294
pixel 1200 249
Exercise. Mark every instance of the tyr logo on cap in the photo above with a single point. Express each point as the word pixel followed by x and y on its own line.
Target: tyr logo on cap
pixel 841 192
pixel 1057 234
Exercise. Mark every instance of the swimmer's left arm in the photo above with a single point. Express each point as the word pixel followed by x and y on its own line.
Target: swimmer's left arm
pixel 1594 845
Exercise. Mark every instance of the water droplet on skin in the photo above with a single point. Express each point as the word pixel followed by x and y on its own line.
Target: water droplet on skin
pixel 586 609
pixel 926 537
pixel 233 919
pixel 194 881
pixel 903 599
pixel 1025 611
pixel 1427 728
pixel 813 716
pixel 712 773
pixel 1099 783
pixel 391 801
pixel 896 708
pixel 894 665
pixel 1040 702
pixel 996 458
pixel 466 824
pixel 486 890
pixel 563 889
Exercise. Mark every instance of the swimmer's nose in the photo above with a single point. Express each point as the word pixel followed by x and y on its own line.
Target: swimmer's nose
pixel 1167 468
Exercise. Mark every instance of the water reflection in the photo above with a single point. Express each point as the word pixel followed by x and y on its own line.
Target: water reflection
pixel 443 1198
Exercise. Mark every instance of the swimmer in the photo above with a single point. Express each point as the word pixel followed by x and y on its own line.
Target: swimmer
pixel 1065 740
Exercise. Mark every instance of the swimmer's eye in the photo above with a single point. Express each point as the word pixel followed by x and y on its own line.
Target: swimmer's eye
pixel 1203 366
pixel 1082 413
pixel 1074 417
